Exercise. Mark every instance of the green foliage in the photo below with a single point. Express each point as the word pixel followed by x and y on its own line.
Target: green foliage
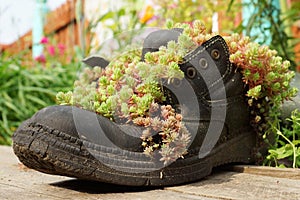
pixel 286 150
pixel 25 90
pixel 122 24
pixel 267 116
pixel 278 33
pixel 188 11
pixel 268 78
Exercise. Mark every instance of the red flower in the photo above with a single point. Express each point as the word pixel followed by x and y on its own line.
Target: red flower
pixel 61 48
pixel 51 50
pixel 44 40
pixel 41 58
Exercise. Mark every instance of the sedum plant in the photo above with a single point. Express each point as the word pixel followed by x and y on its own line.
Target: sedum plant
pixel 129 90
pixel 126 92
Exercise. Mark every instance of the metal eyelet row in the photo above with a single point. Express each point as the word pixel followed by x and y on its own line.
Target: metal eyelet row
pixel 191 71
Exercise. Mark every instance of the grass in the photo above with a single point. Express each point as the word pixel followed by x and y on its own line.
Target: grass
pixel 25 90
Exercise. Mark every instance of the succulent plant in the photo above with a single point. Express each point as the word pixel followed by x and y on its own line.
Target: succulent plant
pixel 130 90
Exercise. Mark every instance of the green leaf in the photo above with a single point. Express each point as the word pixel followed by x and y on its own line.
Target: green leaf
pixel 106 16
pixel 39 89
pixel 36 100
pixel 121 12
pixel 254 92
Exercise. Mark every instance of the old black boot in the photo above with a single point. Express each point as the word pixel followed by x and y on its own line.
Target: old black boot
pixel 70 141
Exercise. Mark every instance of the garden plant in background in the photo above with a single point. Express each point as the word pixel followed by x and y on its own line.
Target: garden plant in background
pixel 26 87
pixel 122 23
pixel 190 10
pixel 125 22
pixel 54 54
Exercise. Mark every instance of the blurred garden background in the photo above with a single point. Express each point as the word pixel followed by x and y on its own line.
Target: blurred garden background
pixel 43 55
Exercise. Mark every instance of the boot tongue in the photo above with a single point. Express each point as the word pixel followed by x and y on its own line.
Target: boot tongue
pixel 207 71
pixel 159 38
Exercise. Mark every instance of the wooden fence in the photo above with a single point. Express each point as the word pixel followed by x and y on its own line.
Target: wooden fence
pixel 60 24
pixel 296 33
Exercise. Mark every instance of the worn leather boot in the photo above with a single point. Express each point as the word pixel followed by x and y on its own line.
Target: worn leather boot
pixel 69 141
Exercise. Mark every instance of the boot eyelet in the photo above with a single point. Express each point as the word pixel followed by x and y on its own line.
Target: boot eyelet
pixel 203 63
pixel 191 72
pixel 176 82
pixel 215 54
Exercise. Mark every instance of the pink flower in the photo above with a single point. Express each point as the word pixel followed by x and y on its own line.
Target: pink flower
pixel 41 58
pixel 173 6
pixel 44 40
pixel 61 48
pixel 51 50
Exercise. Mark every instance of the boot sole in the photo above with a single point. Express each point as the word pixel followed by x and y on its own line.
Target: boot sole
pixel 51 151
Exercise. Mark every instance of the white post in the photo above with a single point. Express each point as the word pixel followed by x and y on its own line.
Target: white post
pixel 38 25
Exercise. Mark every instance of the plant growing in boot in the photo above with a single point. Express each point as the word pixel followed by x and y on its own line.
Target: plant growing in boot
pixel 162 116
pixel 127 91
pixel 129 88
